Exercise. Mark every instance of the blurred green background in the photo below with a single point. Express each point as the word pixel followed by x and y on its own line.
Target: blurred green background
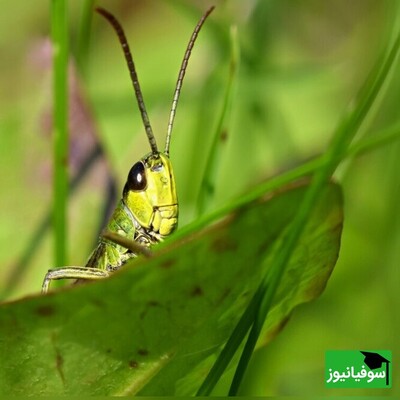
pixel 301 64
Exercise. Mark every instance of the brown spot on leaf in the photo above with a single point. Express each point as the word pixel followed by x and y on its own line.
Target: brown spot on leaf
pixel 196 292
pixel 266 245
pixel 303 182
pixel 224 136
pixel 167 263
pixel 98 303
pixel 275 330
pixel 150 303
pixel 45 311
pixel 59 358
pixel 59 365
pixel 143 352
pixel 223 296
pixel 319 281
pixel 224 243
pixel 133 364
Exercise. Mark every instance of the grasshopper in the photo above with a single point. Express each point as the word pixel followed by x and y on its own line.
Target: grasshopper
pixel 148 209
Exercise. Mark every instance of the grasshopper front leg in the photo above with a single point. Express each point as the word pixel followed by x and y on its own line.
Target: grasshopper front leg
pixel 72 273
pixel 86 272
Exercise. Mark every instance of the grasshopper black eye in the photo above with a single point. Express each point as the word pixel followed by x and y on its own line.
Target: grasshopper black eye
pixel 136 178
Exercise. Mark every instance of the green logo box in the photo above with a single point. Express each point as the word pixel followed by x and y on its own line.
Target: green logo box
pixel 358 369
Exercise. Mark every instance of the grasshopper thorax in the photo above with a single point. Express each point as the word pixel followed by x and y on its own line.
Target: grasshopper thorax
pixel 150 194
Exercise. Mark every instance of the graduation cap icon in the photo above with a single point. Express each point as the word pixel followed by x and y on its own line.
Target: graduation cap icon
pixel 374 361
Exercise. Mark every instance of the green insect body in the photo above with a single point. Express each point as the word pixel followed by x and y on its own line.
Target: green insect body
pixel 148 210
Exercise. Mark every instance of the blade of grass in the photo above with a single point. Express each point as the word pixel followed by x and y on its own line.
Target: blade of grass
pixel 342 137
pixel 208 182
pixel 59 28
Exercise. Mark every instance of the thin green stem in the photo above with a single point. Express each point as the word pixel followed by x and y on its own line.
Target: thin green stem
pixel 60 117
pixel 208 182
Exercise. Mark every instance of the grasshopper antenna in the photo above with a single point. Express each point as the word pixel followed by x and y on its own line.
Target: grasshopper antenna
pixel 132 70
pixel 181 75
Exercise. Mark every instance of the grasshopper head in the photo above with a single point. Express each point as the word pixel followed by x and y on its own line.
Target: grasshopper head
pixel 150 194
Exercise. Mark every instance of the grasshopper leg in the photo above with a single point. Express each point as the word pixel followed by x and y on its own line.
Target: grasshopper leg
pixel 72 273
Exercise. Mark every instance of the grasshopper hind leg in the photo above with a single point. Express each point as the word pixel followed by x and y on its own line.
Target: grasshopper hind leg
pixel 72 273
